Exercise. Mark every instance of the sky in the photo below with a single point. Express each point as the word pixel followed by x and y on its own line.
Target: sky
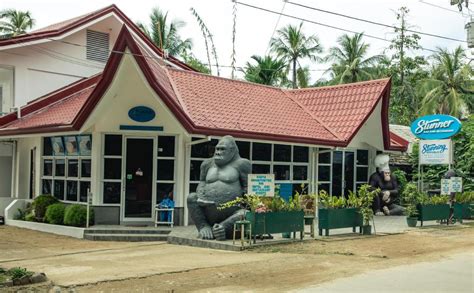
pixel 255 28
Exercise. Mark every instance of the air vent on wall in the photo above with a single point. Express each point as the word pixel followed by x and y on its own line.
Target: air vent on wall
pixel 97 46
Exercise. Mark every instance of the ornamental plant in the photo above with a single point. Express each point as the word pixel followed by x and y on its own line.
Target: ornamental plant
pixel 41 203
pixel 366 194
pixel 55 214
pixel 411 197
pixel 331 202
pixel 465 197
pixel 76 215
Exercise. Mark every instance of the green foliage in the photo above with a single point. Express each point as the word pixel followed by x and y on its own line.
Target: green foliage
pixel 22 213
pixel 75 215
pixel 436 199
pixel 268 70
pixel 331 202
pixel 411 197
pixel 41 203
pixel 366 193
pixel 400 175
pixel 195 63
pixel 353 200
pixel 465 197
pixel 30 217
pixel 55 214
pixel 14 22
pixel 254 202
pixel 18 273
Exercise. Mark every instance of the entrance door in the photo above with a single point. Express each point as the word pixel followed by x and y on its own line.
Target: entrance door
pixel 342 173
pixel 138 179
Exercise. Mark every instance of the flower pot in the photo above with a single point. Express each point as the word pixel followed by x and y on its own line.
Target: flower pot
pixel 367 230
pixel 411 221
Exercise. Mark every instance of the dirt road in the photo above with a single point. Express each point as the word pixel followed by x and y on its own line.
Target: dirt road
pixel 124 267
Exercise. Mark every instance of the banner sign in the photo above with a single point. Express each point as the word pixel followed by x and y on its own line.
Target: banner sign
pixel 261 184
pixel 435 152
pixel 435 126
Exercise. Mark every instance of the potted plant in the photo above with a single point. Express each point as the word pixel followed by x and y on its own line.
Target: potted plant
pixel 337 212
pixel 411 197
pixel 366 194
pixel 433 208
pixel 462 205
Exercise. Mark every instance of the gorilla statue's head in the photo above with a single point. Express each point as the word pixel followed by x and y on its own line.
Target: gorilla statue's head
pixel 226 151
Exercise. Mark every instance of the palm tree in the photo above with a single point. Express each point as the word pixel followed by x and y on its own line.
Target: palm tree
pixel 450 88
pixel 268 70
pixel 292 45
pixel 164 33
pixel 14 22
pixel 350 62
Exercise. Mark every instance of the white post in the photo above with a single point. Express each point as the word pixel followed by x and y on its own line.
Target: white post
pixel 89 201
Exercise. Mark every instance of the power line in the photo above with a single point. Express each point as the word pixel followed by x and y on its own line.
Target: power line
pixel 376 23
pixel 323 24
pixel 444 8
pixel 276 26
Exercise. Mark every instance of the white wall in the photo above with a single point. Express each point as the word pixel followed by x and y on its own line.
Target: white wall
pixel 24 146
pixel 5 169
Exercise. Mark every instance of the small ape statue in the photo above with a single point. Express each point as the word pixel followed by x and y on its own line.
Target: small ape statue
pixel 222 179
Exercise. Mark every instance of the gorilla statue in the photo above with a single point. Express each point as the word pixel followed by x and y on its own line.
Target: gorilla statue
pixel 223 178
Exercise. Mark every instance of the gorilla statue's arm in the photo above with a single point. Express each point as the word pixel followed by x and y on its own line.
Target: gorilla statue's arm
pixel 245 168
pixel 202 178
pixel 394 190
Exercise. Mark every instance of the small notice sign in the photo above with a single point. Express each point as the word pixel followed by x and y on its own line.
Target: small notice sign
pixel 445 186
pixel 261 184
pixel 456 184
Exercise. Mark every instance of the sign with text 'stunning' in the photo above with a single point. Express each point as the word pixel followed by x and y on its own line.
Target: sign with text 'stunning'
pixel 435 152
pixel 435 126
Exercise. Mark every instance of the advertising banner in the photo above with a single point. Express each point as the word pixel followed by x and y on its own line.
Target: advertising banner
pixel 261 184
pixel 435 126
pixel 435 152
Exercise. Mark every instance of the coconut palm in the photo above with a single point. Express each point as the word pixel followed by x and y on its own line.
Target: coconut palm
pixel 292 45
pixel 351 63
pixel 14 22
pixel 450 88
pixel 267 70
pixel 164 33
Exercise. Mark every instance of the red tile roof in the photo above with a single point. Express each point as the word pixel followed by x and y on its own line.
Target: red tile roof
pixel 212 105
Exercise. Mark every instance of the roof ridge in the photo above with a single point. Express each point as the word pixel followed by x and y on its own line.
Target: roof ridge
pixel 175 89
pixel 289 95
pixel 353 84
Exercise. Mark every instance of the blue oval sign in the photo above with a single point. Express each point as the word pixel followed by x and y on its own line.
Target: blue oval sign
pixel 141 114
pixel 435 126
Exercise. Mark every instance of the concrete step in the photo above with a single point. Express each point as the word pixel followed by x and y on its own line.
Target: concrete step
pixel 152 231
pixel 126 237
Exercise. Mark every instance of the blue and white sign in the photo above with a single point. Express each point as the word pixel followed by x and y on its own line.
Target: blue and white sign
pixel 456 184
pixel 435 152
pixel 141 114
pixel 435 126
pixel 261 184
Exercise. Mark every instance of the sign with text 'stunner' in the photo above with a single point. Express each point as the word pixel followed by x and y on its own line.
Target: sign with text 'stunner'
pixel 435 126
pixel 261 184
pixel 435 152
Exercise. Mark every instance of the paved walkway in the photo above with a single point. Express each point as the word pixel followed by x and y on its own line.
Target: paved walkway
pixel 455 274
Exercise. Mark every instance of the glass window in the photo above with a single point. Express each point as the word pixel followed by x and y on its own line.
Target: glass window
pixel 203 150
pixel 300 172
pixel 47 184
pixel 261 151
pixel 72 168
pixel 166 146
pixel 300 154
pixel 362 174
pixel 324 156
pixel 325 186
pixel 113 145
pixel 71 191
pixel 84 187
pixel 86 168
pixel 47 147
pixel 244 149
pixel 324 173
pixel 165 170
pixel 6 89
pixel 85 145
pixel 71 146
pixel 282 172
pixel 193 187
pixel 195 170
pixel 163 190
pixel 362 157
pixel 60 168
pixel 260 169
pixel 111 192
pixel 48 167
pixel 112 168
pixel 59 189
pixel 282 153
pixel 300 188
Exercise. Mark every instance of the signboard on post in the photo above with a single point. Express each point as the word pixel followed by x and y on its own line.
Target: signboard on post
pixel 261 184
pixel 445 186
pixel 456 184
pixel 435 126
pixel 435 152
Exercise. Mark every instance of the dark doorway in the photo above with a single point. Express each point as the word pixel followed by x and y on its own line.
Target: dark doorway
pixel 139 178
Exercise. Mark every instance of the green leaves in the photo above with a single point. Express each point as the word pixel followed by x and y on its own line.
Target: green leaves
pixel 14 22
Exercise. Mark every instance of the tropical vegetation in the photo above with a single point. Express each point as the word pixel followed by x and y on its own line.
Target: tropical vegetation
pixel 14 22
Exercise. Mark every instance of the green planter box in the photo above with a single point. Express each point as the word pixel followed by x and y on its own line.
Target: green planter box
pixel 339 218
pixel 432 212
pixel 276 222
pixel 462 211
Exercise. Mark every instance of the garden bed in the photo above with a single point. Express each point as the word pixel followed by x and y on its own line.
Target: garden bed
pixel 49 228
pixel 338 218
pixel 276 222
pixel 432 212
pixel 19 277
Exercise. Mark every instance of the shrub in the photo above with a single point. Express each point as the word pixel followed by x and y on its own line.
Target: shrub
pixel 75 215
pixel 30 217
pixel 55 214
pixel 41 203
pixel 18 273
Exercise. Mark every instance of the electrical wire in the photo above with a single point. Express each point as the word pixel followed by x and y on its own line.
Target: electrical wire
pixel 276 26
pixel 375 22
pixel 444 8
pixel 323 24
